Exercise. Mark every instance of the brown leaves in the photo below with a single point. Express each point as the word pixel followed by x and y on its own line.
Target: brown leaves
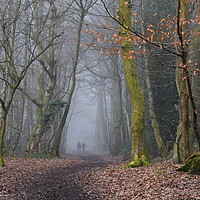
pixel 156 182
pixel 100 178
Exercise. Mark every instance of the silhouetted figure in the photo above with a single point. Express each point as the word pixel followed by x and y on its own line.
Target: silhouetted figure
pixel 79 147
pixel 83 147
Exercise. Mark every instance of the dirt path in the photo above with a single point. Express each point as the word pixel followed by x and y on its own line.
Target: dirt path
pixel 88 177
pixel 67 181
pixel 64 179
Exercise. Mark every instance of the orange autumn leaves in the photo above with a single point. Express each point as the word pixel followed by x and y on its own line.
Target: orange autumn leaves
pixel 108 41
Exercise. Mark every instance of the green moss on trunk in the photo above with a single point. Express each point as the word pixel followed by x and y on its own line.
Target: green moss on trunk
pixel 139 152
pixel 142 161
pixel 2 133
pixel 192 164
pixel 2 162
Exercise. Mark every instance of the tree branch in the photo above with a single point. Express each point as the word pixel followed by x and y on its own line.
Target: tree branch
pixel 161 45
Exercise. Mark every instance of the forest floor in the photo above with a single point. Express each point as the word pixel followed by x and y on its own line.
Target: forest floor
pixel 87 177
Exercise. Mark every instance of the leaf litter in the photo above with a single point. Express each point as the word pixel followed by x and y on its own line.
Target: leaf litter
pixel 94 178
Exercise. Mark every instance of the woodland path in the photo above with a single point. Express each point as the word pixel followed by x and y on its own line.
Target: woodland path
pixel 89 177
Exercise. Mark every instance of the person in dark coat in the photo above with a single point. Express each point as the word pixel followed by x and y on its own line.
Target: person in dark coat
pixel 83 147
pixel 79 147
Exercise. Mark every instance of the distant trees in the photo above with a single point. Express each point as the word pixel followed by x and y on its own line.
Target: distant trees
pixel 83 9
pixel 112 117
pixel 50 83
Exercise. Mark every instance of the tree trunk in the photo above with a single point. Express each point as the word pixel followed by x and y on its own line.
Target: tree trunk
pixel 2 133
pixel 185 114
pixel 139 154
pixel 58 134
pixel 98 121
pixel 192 164
pixel 182 76
pixel 104 120
pixel 57 138
pixel 154 122
pixel 116 137
pixel 37 135
pixel 195 63
pixel 153 118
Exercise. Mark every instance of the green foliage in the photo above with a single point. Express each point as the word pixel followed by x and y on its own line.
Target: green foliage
pixel 143 161
pixel 192 164
pixel 53 108
pixel 135 163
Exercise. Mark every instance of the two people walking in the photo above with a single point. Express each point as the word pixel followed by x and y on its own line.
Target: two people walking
pixel 81 147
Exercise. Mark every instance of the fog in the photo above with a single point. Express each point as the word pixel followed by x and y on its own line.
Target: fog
pixel 81 127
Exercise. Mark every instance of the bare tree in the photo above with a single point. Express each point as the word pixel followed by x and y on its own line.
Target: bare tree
pixel 13 67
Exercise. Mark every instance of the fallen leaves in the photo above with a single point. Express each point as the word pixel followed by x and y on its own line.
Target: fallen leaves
pixel 88 177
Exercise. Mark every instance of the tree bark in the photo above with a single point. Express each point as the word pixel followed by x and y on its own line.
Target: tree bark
pixel 2 133
pixel 58 134
pixel 153 118
pixel 139 148
pixel 195 62
pixel 182 76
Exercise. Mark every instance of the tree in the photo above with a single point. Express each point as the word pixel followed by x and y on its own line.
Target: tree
pixel 182 74
pixel 194 60
pixel 52 68
pixel 13 68
pixel 84 7
pixel 150 100
pixel 192 164
pixel 139 154
pixel 179 48
pixel 184 80
pixel 47 75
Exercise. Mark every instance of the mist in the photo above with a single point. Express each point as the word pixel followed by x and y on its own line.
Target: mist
pixel 81 127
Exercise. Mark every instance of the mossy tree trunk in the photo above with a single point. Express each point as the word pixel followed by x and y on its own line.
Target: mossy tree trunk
pixel 182 76
pixel 139 150
pixel 178 145
pixel 33 142
pixel 44 95
pixel 4 108
pixel 192 164
pixel 153 118
pixel 195 63
pixel 184 113
pixel 2 133
pixel 13 75
pixel 184 82
pixel 6 96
